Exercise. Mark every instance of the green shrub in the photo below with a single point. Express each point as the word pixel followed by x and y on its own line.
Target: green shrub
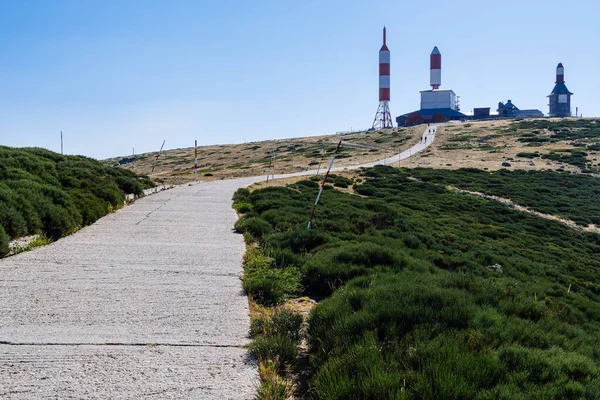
pixel 56 221
pixel 330 269
pixel 241 195
pixel 308 183
pixel 528 155
pixel 391 304
pixel 248 238
pixel 283 322
pixel 261 326
pixel 12 221
pixel 287 323
pixel 129 185
pixel 413 303
pixel 242 207
pixel 258 227
pixel 4 240
pixel 280 348
pixel 284 258
pixel 273 389
pixel 34 183
pixel 272 286
pixel 303 241
pixel 361 372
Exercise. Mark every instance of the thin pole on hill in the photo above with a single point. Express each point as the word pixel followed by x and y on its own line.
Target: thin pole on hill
pixel 196 160
pixel 312 213
pixel 271 165
pixel 156 157
pixel 61 143
pixel 320 162
pixel 133 162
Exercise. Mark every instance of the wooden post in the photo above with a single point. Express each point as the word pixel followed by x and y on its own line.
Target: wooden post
pixel 196 160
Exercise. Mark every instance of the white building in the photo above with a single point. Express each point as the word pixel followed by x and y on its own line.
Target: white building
pixel 433 99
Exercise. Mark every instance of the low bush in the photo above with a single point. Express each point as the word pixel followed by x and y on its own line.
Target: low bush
pixel 272 286
pixel 287 323
pixel 241 195
pixel 330 269
pixel 243 207
pixel 283 322
pixel 280 348
pixel 528 155
pixel 4 240
pixel 266 284
pixel 256 226
pixel 430 293
pixel 129 185
pixel 308 183
pixel 48 193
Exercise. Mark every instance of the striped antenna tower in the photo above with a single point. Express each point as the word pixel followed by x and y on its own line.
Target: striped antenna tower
pixel 435 69
pixel 383 117
pixel 195 160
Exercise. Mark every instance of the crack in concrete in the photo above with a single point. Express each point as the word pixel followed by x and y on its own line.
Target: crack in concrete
pixel 155 210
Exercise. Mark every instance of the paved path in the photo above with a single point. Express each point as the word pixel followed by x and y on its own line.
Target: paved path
pixel 145 303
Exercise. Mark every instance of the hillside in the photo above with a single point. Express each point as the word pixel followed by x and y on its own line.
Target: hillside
pixel 253 159
pixel 42 192
pixel 426 292
pixel 546 144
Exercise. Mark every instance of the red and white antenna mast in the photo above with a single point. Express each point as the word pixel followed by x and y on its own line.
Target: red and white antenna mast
pixel 383 117
pixel 435 69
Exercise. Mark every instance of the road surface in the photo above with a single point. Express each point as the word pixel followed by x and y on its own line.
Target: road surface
pixel 145 303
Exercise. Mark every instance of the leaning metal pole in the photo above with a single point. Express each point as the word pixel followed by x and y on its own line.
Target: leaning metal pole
pixel 312 213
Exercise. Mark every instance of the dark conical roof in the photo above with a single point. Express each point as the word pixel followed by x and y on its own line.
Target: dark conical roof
pixel 560 88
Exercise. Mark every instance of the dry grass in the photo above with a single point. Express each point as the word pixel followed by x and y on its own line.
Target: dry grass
pixel 484 145
pixel 487 145
pixel 253 159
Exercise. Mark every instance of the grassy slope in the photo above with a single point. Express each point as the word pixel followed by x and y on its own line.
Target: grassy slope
pixel 551 144
pixel 252 159
pixel 48 193
pixel 574 197
pixel 565 144
pixel 410 308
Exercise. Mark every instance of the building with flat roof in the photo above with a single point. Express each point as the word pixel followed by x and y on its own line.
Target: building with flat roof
pixel 437 105
pixel 432 99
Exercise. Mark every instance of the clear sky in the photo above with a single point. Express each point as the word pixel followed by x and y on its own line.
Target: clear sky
pixel 118 74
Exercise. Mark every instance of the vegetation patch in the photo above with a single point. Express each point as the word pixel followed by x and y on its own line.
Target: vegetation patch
pixel 42 192
pixel 430 294
pixel 528 155
pixel 576 157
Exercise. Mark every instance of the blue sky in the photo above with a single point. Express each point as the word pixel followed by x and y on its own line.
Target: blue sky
pixel 113 75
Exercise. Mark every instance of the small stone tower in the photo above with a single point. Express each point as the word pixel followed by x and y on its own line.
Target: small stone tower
pixel 560 98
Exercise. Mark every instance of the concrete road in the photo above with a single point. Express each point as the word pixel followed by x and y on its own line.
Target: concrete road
pixel 145 303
